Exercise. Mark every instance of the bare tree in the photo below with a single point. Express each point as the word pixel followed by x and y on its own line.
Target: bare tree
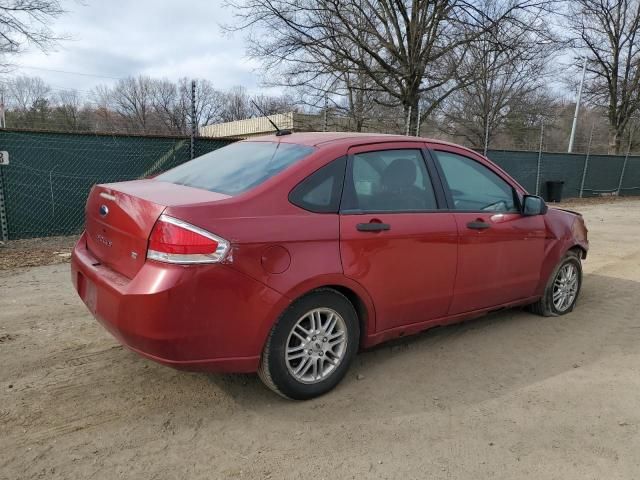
pixel 271 105
pixel 68 110
pixel 24 92
pixel 129 102
pixel 236 105
pixel 170 106
pixel 209 101
pixel 405 49
pixel 28 101
pixel 335 84
pixel 509 68
pixel 136 105
pixel 25 22
pixel 607 31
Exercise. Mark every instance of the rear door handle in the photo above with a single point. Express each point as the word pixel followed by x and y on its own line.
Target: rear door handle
pixel 478 225
pixel 373 227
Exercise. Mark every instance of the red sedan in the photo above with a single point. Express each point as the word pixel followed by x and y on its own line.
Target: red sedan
pixel 286 254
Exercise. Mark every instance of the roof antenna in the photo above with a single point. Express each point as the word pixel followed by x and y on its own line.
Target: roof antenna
pixel 279 132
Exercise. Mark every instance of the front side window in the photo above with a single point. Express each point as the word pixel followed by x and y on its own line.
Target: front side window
pixel 388 181
pixel 238 167
pixel 475 187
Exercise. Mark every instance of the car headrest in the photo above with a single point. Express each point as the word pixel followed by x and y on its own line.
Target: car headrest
pixel 400 173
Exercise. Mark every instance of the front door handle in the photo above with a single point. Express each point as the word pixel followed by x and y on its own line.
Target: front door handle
pixel 478 225
pixel 373 227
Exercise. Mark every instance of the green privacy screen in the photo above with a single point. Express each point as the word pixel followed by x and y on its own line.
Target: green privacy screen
pixel 49 175
pixel 45 186
pixel 603 172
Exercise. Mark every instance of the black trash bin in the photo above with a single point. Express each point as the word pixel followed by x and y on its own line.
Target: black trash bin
pixel 554 191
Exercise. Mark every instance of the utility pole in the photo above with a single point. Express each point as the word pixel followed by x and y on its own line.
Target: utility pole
pixel 575 115
pixel 418 121
pixel 408 121
pixel 193 119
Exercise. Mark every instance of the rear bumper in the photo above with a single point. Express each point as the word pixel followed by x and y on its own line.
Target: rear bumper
pixel 208 317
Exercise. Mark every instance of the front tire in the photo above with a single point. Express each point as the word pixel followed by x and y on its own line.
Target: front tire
pixel 310 348
pixel 562 289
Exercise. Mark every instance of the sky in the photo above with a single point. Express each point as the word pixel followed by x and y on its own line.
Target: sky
pixel 161 38
pixel 111 39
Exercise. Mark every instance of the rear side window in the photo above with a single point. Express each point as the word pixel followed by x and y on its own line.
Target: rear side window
pixel 238 167
pixel 320 192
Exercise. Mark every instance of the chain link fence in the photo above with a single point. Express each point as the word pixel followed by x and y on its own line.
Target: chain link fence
pixel 46 183
pixel 44 188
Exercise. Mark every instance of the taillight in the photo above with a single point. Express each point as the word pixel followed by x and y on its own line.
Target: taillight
pixel 175 241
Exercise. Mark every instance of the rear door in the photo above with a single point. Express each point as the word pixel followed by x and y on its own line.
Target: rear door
pixel 500 250
pixel 394 238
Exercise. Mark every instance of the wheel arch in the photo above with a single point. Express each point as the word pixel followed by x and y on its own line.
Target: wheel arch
pixel 579 249
pixel 353 291
pixel 359 306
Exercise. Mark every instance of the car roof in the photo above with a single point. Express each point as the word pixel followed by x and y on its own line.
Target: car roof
pixel 316 139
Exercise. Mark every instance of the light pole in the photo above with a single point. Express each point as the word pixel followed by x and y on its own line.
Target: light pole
pixel 575 115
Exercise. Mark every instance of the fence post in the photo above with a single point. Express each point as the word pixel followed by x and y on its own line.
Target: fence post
pixel 193 119
pixel 624 164
pixel 325 120
pixel 586 160
pixel 486 137
pixel 4 228
pixel 538 167
pixel 53 205
pixel 408 121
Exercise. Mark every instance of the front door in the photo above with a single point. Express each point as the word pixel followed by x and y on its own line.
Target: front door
pixel 394 239
pixel 500 250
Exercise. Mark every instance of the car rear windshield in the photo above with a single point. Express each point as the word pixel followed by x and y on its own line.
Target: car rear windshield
pixel 236 168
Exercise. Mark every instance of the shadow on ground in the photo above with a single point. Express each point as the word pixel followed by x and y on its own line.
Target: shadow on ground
pixel 491 355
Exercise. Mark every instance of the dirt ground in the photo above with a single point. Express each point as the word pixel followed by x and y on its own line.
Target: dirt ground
pixel 508 396
pixel 35 252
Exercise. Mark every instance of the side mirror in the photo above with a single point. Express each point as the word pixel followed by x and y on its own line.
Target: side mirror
pixel 533 205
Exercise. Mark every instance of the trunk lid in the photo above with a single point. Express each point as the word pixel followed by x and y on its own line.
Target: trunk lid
pixel 120 217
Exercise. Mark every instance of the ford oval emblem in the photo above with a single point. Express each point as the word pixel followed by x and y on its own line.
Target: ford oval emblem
pixel 104 210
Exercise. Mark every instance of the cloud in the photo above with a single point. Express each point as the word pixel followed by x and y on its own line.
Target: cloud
pixel 120 38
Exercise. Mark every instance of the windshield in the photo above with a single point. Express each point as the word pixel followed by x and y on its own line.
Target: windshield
pixel 236 168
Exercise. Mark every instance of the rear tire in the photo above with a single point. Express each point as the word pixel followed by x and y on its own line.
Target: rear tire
pixel 562 289
pixel 311 347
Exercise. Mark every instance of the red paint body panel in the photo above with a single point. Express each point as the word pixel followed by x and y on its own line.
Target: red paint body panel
pixel 210 316
pixel 119 238
pixel 500 264
pixel 407 269
pixel 428 270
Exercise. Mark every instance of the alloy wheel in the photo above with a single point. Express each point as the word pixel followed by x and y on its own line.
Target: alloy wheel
pixel 316 345
pixel 565 287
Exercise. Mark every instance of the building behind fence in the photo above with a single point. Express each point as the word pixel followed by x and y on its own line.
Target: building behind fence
pixel 44 188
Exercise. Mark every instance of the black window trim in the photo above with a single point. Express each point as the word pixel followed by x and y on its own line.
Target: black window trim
pixel 445 186
pixel 430 169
